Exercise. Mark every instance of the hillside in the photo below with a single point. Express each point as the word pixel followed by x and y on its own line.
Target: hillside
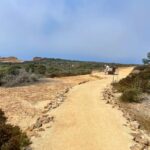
pixel 9 60
pixel 12 74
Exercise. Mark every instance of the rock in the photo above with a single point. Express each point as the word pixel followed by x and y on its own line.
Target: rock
pixel 60 99
pixel 50 103
pixel 41 129
pixel 137 147
pixel 44 116
pixel 38 124
pixel 54 105
pixel 109 97
pixel 47 120
pixel 50 107
pixel 107 102
pixel 134 134
pixel 145 141
pixel 31 128
pixel 49 126
pixel 135 125
pixel 142 140
pixel 44 120
pixel 66 90
pixel 51 118
pixel 137 138
pixel 33 134
pixel 46 107
pixel 127 116
pixel 113 106
pixel 45 111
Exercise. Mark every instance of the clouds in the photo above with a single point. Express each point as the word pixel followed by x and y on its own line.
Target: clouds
pixel 78 29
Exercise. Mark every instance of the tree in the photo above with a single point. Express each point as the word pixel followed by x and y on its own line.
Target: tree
pixel 146 60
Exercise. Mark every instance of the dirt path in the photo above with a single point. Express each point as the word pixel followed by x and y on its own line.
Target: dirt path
pixel 85 122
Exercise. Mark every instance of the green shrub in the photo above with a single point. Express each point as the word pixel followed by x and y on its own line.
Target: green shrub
pixel 134 84
pixel 30 67
pixel 11 137
pixel 13 70
pixel 2 117
pixel 131 95
pixel 40 69
pixel 1 77
pixel 140 81
pixel 21 78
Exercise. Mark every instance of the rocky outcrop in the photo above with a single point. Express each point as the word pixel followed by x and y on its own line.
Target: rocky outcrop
pixel 39 59
pixel 9 60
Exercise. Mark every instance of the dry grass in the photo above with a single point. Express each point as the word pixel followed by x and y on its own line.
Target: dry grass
pixel 23 104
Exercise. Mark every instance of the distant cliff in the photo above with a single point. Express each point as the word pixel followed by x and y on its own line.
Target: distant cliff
pixel 39 59
pixel 9 59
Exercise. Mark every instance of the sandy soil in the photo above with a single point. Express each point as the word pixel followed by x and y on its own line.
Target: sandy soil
pixel 23 105
pixel 85 122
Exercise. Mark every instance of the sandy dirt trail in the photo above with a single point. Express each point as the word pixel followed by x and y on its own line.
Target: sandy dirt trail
pixel 86 122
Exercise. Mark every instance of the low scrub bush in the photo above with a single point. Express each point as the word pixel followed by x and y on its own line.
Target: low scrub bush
pixel 11 137
pixel 13 70
pixel 131 95
pixel 22 77
pixel 135 82
pixel 2 117
pixel 41 69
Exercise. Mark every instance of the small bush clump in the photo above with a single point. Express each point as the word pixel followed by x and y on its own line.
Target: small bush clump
pixel 11 137
pixel 20 78
pixel 137 82
pixel 131 95
pixel 2 117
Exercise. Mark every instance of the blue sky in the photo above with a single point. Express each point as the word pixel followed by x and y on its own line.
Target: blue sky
pixel 97 30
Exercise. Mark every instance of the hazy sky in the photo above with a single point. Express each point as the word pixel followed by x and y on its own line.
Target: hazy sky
pixel 99 30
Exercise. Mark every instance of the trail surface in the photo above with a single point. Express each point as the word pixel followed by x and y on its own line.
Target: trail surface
pixel 85 122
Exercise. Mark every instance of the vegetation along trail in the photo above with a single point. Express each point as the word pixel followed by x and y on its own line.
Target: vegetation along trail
pixel 86 122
